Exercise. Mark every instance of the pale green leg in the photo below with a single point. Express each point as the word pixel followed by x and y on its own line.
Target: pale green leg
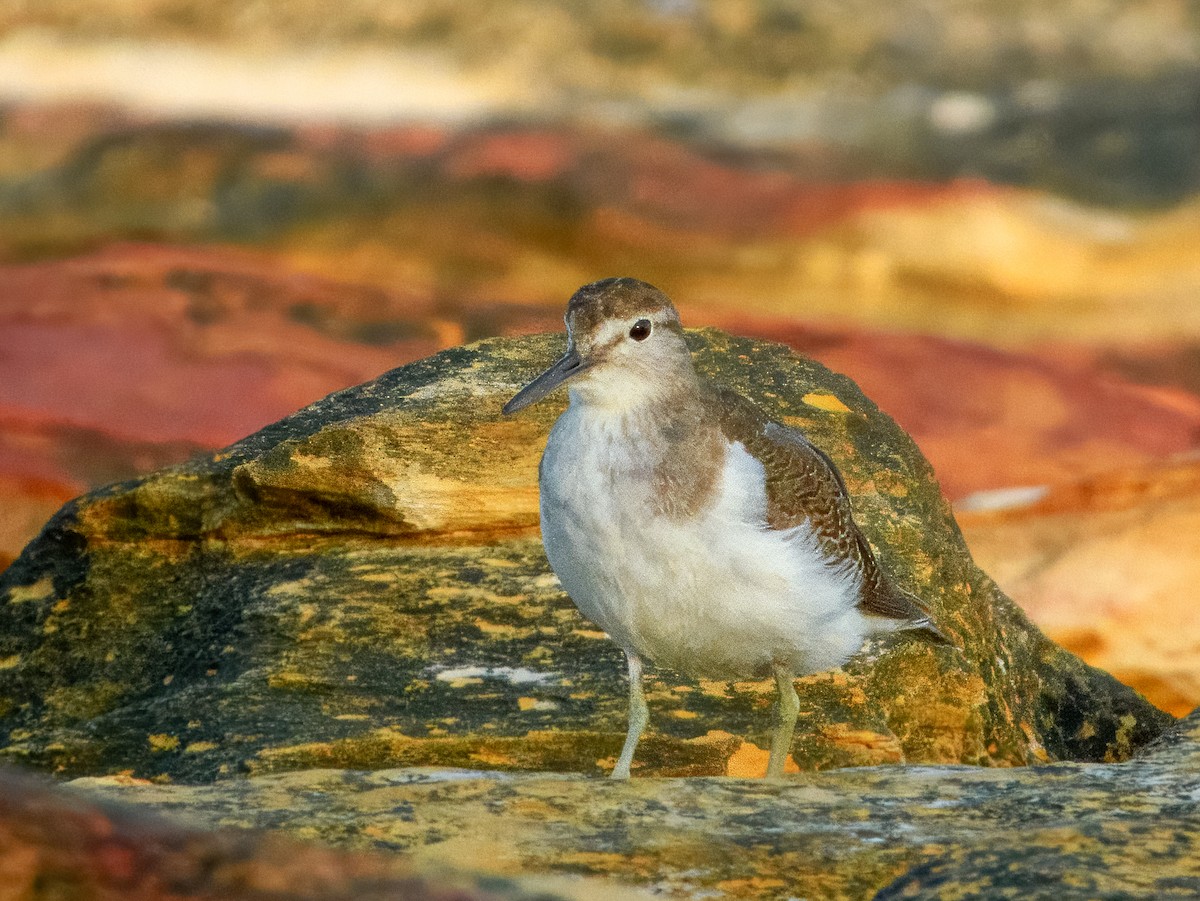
pixel 785 726
pixel 639 716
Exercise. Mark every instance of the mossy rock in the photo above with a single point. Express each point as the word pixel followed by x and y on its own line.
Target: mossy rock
pixel 56 843
pixel 1081 831
pixel 361 585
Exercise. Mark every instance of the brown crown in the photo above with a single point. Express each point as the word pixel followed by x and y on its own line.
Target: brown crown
pixel 615 298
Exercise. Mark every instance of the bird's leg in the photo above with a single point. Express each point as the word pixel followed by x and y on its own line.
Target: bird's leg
pixel 785 725
pixel 639 715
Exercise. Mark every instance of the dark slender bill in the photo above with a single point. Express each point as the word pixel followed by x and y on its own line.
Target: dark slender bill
pixel 570 364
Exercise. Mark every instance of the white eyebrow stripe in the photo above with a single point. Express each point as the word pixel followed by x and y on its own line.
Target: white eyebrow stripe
pixel 614 327
pixel 610 331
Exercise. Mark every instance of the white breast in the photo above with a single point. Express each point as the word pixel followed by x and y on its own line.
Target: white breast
pixel 718 594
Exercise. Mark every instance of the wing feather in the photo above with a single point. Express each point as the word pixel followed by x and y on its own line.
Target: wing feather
pixel 804 486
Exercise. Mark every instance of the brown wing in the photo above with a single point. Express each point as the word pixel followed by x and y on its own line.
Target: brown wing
pixel 803 484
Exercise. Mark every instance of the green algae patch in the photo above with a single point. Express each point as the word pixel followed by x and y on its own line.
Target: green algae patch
pixel 362 584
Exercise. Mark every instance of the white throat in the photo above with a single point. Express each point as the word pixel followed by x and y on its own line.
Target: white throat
pixel 629 387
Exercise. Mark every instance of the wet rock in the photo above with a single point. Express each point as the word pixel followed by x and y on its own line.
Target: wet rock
pixel 361 585
pixel 1124 830
pixel 56 844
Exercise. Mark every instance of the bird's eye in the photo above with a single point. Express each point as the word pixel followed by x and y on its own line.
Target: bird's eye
pixel 640 330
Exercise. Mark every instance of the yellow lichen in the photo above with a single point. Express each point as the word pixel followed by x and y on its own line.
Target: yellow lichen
pixel 749 761
pixel 590 633
pixel 38 591
pixel 502 630
pixel 493 757
pixel 824 401
pixel 290 680
pixel 160 741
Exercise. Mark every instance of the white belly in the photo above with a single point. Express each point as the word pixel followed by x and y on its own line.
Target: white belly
pixel 717 594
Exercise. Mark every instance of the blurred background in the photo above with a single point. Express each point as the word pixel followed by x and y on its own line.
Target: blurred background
pixel 987 213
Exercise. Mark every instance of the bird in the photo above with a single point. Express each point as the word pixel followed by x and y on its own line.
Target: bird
pixel 698 533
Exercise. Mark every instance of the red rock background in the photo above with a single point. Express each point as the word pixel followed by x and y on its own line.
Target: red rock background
pixel 124 359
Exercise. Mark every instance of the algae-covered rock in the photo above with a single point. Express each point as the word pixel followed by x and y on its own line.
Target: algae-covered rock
pixel 56 844
pixel 361 585
pixel 1080 831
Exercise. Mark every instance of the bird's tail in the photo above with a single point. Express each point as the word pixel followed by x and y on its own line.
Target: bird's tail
pixel 922 624
pixel 927 629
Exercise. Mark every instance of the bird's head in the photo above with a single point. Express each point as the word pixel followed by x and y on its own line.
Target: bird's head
pixel 625 347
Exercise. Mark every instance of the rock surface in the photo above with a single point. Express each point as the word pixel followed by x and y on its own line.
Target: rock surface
pixel 1127 830
pixel 1107 567
pixel 360 585
pixel 54 844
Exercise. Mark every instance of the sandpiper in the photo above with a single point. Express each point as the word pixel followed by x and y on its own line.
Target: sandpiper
pixel 696 532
